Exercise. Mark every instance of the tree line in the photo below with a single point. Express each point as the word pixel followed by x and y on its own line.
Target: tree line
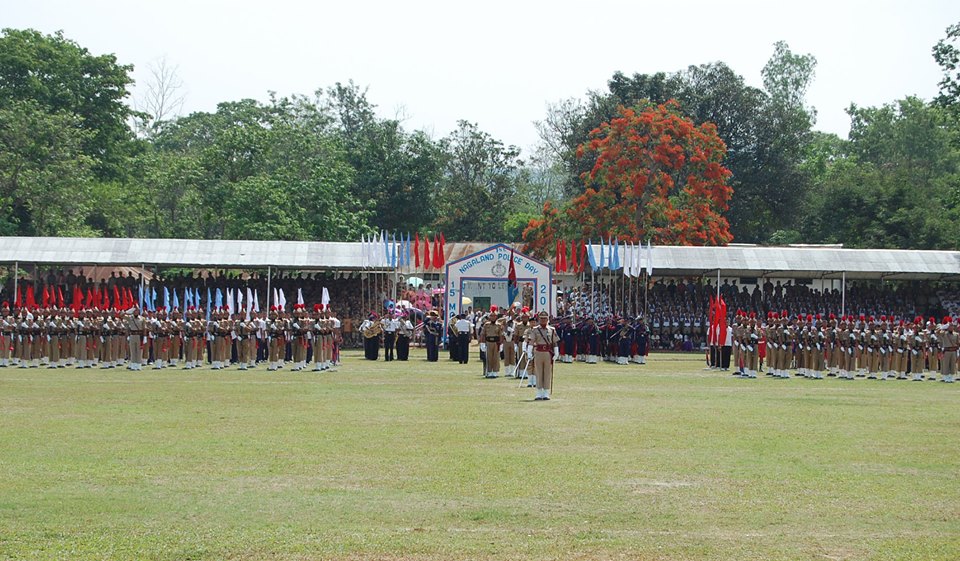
pixel 79 158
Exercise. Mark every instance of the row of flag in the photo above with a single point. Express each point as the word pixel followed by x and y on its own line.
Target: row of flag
pixel 52 296
pixel 635 257
pixel 148 299
pixel 398 251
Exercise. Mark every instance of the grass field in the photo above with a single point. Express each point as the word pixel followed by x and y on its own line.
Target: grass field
pixel 430 461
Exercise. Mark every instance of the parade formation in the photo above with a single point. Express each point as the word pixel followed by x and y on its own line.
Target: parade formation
pixel 109 338
pixel 846 347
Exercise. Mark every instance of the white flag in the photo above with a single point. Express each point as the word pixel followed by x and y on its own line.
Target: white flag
pixel 276 298
pixel 649 259
pixel 325 299
pixel 256 301
pixel 282 300
pixel 230 301
pixel 300 296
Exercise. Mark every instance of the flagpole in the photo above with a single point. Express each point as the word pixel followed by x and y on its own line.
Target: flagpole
pixel 143 280
pixel 16 283
pixel 843 295
pixel 268 291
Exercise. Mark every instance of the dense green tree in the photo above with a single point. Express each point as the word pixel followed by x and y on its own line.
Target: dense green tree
pixel 45 178
pixel 480 185
pixel 62 77
pixel 397 172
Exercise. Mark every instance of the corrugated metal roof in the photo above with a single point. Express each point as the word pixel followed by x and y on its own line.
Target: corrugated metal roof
pixel 747 261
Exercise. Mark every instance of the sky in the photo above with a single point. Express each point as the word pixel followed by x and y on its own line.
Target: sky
pixel 499 63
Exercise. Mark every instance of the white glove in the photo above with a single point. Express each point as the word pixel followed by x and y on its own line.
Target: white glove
pixel 530 353
pixel 483 347
pixel 556 353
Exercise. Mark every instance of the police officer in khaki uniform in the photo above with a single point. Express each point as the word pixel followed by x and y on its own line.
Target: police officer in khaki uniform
pixel 949 341
pixel 491 337
pixel 136 337
pixel 543 350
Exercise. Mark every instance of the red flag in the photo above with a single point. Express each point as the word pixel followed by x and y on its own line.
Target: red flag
pixel 583 256
pixel 512 275
pixel 722 324
pixel 77 302
pixel 116 299
pixel 18 302
pixel 45 298
pixel 31 302
pixel 89 302
pixel 426 253
pixel 443 250
pixel 556 256
pixel 131 302
pixel 436 251
pixel 574 266
pixel 416 250
pixel 59 298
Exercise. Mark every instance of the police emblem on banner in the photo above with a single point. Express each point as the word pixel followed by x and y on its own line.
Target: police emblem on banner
pixel 499 270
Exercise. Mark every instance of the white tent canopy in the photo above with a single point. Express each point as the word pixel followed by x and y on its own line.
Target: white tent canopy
pixel 744 261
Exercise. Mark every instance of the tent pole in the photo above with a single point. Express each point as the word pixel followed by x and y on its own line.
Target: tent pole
pixel 268 289
pixel 843 295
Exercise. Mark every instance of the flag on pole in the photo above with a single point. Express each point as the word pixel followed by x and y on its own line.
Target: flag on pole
pixel 218 299
pixel 196 297
pixel 603 253
pixel 282 301
pixel 230 307
pixel 176 300
pixel 628 259
pixel 590 256
pixel 649 259
pixel 615 261
pixel 188 299
pixel 300 296
pixel 574 264
pixel 239 294
pixel 256 301
pixel 325 298
pixel 426 253
pixel 166 298
pixel 512 281
pixel 209 306
pixel 416 250
pixel 443 249
pixel 406 252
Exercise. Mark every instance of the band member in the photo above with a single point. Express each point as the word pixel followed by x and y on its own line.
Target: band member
pixel 432 333
pixel 372 329
pixel 404 334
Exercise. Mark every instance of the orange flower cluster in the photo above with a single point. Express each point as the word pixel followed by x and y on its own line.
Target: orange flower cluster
pixel 656 175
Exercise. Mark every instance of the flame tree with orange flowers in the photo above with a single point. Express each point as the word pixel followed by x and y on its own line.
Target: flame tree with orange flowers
pixel 656 176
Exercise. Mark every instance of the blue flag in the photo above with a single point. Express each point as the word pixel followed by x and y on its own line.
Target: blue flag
pixel 590 256
pixel 218 299
pixel 208 303
pixel 140 301
pixel 196 297
pixel 602 254
pixel 615 264
pixel 393 250
pixel 187 298
pixel 176 301
pixel 166 298
pixel 406 251
pixel 153 299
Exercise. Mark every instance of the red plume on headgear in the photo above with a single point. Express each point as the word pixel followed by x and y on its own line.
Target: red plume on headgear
pixel 947 319
pixel 882 318
pixel 863 317
pixel 809 317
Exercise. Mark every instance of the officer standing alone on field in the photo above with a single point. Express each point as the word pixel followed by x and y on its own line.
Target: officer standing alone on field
pixel 543 351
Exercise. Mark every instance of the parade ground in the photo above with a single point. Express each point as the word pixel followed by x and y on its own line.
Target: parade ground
pixel 413 460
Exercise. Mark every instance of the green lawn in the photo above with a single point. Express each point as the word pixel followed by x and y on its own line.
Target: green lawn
pixel 430 461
